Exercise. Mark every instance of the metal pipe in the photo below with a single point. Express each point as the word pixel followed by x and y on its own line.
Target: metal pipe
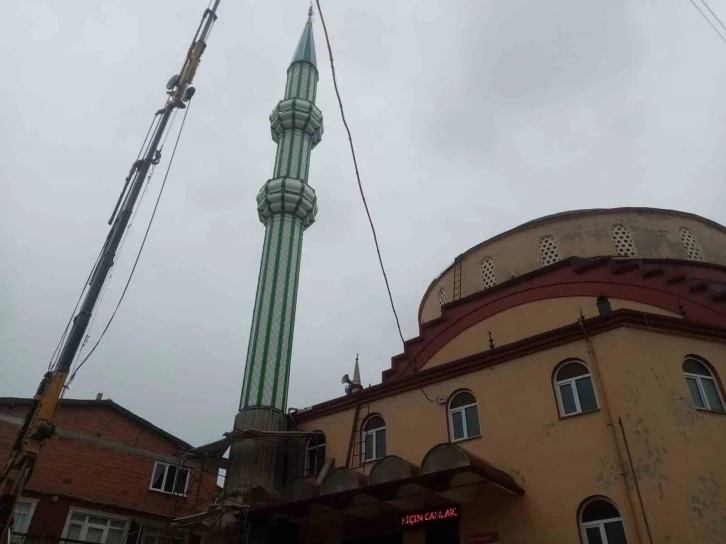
pixel 608 415
pixel 635 481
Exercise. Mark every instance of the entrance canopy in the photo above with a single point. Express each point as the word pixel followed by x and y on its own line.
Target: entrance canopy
pixel 448 474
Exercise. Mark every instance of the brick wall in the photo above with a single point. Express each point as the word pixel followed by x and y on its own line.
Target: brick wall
pixel 106 474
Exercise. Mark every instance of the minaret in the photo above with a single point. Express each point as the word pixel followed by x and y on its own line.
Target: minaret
pixel 286 205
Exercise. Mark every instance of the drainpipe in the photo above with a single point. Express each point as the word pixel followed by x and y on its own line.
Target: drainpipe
pixel 611 424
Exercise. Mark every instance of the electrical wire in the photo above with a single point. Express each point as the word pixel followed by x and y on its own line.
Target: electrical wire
pixel 141 248
pixel 357 173
pixel 709 20
pixel 712 13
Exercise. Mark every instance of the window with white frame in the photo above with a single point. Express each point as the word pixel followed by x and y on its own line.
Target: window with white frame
pixel 374 439
pixel 549 251
pixel 488 275
pixel 315 454
pixel 95 527
pixel 22 515
pixel 623 241
pixel 442 296
pixel 574 389
pixel 158 535
pixel 693 248
pixel 463 416
pixel 600 523
pixel 703 384
pixel 169 479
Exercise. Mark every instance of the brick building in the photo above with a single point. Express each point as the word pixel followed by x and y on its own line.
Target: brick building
pixel 108 476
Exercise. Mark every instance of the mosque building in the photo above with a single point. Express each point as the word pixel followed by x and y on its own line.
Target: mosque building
pixel 564 386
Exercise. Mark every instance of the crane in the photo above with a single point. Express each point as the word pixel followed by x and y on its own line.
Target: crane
pixel 38 425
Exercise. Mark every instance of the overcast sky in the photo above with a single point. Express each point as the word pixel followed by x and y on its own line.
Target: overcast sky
pixel 470 117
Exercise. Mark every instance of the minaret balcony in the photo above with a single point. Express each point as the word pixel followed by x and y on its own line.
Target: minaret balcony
pixel 287 196
pixel 296 113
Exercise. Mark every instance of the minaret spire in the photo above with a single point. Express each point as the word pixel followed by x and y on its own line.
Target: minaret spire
pixel 287 206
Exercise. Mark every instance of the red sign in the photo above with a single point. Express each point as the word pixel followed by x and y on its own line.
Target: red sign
pixel 480 538
pixel 428 516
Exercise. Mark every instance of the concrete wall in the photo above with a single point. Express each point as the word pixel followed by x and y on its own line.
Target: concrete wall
pixel 583 234
pixel 677 451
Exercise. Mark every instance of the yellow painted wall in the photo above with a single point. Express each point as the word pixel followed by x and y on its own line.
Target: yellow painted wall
pixel 678 451
pixel 527 320
pixel 655 234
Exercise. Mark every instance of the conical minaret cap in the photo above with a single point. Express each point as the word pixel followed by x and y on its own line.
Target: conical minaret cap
pixel 356 373
pixel 305 51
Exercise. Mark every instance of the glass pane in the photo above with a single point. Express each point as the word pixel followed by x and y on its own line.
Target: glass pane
pixel 158 480
pixel 472 421
pixel 380 443
pixel 593 535
pixel 94 534
pixel 695 393
pixel 20 525
pixel 115 536
pixel 181 482
pixel 458 425
pixel 95 520
pixel 170 477
pixel 712 396
pixel 615 532
pixel 571 370
pixel 375 422
pixel 118 523
pixel 598 510
pixel 319 459
pixel 695 367
pixel 568 399
pixel 78 517
pixel 462 399
pixel 74 531
pixel 586 394
pixel 368 449
pixel 310 462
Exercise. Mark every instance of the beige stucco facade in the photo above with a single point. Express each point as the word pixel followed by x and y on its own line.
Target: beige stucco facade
pixel 646 448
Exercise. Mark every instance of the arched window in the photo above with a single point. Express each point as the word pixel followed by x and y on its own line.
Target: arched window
pixel 374 438
pixel 463 416
pixel 549 251
pixel 693 249
pixel 314 454
pixel 574 389
pixel 600 523
pixel 623 241
pixel 442 296
pixel 488 276
pixel 703 385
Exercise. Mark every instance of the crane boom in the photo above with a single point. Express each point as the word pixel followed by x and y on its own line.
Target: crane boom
pixel 38 424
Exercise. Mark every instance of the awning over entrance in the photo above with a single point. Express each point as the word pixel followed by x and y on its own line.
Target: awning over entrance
pixel 448 474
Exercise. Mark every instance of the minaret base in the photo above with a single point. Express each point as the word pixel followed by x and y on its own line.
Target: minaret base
pixel 257 467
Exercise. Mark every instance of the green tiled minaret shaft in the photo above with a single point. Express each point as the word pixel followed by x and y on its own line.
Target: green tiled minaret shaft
pixel 287 206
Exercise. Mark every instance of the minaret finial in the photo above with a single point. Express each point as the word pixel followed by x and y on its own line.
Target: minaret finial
pixel 311 11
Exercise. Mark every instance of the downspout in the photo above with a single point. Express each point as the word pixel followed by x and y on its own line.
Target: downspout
pixel 635 481
pixel 611 424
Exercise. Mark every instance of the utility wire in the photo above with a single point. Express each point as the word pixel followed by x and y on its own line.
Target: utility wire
pixel 712 13
pixel 709 20
pixel 141 248
pixel 357 173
